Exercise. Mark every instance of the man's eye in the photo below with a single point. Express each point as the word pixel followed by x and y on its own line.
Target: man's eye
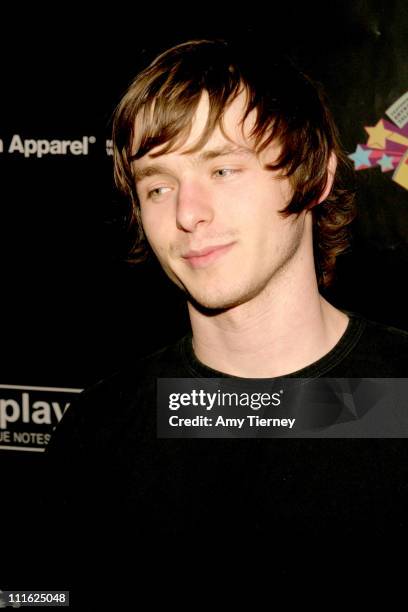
pixel 225 171
pixel 153 193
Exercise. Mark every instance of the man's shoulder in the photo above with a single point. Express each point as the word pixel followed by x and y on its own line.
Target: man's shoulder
pixel 104 408
pixel 377 349
pixel 385 335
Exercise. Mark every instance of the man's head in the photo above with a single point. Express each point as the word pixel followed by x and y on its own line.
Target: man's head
pixel 216 147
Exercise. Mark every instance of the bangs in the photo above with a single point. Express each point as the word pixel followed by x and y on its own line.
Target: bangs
pixel 167 121
pixel 160 105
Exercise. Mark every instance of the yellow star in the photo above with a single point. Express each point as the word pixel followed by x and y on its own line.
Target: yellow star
pixel 377 135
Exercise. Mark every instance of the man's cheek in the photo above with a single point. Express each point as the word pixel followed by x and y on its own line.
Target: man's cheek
pixel 161 248
pixel 151 233
pixel 158 250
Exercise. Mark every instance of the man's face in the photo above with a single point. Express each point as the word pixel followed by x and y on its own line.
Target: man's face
pixel 195 202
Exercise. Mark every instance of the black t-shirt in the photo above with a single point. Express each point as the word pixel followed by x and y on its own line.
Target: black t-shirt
pixel 106 447
pixel 114 482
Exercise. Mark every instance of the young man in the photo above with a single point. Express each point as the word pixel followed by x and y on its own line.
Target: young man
pixel 234 172
pixel 233 168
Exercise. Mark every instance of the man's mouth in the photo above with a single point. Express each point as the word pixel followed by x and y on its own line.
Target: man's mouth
pixel 203 257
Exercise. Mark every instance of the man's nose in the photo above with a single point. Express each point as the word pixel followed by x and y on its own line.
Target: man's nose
pixel 194 205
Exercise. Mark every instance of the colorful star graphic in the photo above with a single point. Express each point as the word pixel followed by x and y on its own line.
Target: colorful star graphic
pixel 377 135
pixel 361 158
pixel 387 144
pixel 386 163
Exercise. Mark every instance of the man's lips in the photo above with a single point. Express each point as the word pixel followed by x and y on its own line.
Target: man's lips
pixel 201 252
pixel 201 258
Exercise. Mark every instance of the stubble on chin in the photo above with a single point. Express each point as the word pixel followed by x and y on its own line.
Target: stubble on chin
pixel 217 301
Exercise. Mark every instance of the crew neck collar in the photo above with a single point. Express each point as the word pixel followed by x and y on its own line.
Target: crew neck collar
pixel 345 344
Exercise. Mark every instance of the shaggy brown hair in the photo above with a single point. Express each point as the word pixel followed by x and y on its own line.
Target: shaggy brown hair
pixel 291 109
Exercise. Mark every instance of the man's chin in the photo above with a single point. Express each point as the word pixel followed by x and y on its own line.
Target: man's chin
pixel 213 298
pixel 215 304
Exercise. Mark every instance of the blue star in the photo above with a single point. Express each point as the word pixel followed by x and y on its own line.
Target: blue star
pixel 360 157
pixel 386 163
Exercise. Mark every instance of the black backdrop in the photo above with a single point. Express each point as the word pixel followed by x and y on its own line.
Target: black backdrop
pixel 72 311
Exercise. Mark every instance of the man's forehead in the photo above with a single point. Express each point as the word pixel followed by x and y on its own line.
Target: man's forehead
pixel 231 130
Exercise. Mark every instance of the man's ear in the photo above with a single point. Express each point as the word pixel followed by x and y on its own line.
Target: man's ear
pixel 331 171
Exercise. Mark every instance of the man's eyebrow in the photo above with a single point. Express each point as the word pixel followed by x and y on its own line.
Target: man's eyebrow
pixel 151 170
pixel 225 150
pixel 209 154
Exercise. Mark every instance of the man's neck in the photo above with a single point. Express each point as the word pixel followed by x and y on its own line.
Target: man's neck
pixel 268 336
